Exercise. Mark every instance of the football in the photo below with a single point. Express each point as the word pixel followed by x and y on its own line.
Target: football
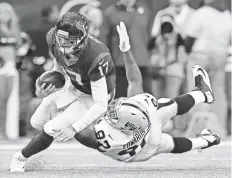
pixel 52 77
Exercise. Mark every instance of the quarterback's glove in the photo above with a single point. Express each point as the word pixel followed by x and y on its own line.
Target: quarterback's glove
pixel 124 42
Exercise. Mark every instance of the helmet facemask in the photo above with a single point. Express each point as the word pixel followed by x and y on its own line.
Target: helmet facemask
pixel 112 116
pixel 69 44
pixel 71 33
pixel 112 112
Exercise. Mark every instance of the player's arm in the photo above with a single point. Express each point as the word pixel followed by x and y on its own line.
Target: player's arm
pixel 99 89
pixel 133 74
pixel 100 97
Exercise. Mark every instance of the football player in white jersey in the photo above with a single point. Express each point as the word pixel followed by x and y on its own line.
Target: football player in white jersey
pixel 131 130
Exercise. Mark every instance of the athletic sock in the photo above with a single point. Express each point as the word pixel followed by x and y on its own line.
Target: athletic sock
pixel 198 143
pixel 39 143
pixel 198 96
pixel 183 144
pixel 187 101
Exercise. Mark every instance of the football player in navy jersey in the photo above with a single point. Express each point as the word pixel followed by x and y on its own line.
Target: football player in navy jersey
pixel 90 83
pixel 84 58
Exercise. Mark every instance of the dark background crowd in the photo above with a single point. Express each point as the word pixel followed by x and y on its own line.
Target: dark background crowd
pixel 157 29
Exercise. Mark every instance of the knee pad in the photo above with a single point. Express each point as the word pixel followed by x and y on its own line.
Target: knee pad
pixel 163 102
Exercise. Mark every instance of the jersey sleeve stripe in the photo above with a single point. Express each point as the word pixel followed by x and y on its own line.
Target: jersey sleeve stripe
pixel 164 104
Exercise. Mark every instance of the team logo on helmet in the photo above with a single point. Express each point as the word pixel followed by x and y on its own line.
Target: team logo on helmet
pixel 130 126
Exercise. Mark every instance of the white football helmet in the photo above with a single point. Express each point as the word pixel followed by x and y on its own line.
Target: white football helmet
pixel 127 115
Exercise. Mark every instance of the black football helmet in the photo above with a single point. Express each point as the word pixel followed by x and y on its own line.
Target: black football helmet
pixel 71 32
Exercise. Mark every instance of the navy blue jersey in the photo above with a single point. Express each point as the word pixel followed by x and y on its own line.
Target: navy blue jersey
pixel 93 63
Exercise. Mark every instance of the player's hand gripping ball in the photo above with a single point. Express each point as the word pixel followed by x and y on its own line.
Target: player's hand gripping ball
pixel 48 83
pixel 53 77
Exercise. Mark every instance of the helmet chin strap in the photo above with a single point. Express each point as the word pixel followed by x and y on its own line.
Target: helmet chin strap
pixel 80 44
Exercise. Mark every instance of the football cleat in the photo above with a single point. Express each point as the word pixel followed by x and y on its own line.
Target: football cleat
pixel 210 137
pixel 17 162
pixel 202 83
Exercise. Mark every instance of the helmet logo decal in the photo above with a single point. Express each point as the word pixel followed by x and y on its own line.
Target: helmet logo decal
pixel 130 126
pixel 80 25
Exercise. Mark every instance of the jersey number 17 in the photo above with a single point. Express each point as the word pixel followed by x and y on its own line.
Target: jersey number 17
pixel 103 68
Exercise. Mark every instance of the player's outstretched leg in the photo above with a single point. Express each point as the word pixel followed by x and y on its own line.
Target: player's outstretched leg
pixel 179 145
pixel 206 139
pixel 36 145
pixel 201 94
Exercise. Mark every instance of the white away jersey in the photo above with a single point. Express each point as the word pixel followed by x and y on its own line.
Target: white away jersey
pixel 119 146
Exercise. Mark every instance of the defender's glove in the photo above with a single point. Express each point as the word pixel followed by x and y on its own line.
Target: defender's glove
pixel 124 42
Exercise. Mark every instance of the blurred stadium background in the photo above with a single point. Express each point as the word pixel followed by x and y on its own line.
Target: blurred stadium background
pixel 29 10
